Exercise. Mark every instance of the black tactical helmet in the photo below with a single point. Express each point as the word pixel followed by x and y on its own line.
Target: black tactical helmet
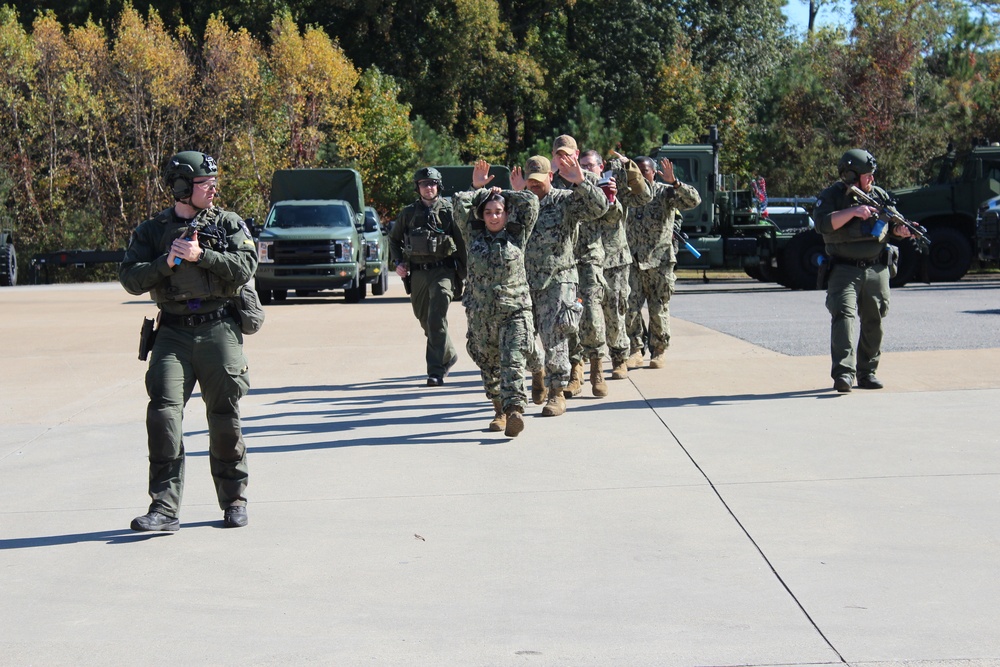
pixel 184 167
pixel 427 174
pixel 856 161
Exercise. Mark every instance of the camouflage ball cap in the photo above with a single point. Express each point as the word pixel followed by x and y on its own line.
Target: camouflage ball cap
pixel 564 144
pixel 537 168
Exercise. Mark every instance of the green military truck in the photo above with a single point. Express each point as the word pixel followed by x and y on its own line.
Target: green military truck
pixel 313 237
pixel 728 230
pixel 8 259
pixel 947 204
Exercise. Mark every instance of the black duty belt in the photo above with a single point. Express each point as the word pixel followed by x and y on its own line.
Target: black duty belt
pixel 194 320
pixel 450 263
pixel 860 263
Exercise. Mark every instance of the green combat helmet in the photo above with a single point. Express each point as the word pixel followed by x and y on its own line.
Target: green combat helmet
pixel 854 163
pixel 427 174
pixel 182 170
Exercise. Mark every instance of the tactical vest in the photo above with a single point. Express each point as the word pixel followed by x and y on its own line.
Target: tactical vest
pixel 188 280
pixel 857 229
pixel 428 234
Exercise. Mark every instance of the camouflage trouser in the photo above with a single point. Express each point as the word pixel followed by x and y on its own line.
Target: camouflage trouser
pixel 590 341
pixel 430 296
pixel 500 345
pixel 210 354
pixel 615 310
pixel 856 293
pixel 554 352
pixel 654 287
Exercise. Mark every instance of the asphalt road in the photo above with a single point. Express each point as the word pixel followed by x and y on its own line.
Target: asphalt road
pixel 962 315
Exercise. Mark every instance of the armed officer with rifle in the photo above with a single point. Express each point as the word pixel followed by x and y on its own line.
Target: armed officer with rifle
pixel 193 258
pixel 856 232
pixel 430 256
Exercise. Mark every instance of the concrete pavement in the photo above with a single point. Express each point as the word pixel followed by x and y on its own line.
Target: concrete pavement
pixel 728 510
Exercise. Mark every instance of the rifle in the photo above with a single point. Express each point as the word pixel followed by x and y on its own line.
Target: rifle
pixel 682 238
pixel 893 217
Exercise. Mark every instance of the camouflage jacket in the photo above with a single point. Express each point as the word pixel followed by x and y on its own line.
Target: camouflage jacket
pixel 229 261
pixel 427 234
pixel 497 281
pixel 597 235
pixel 650 228
pixel 854 240
pixel 549 257
pixel 638 192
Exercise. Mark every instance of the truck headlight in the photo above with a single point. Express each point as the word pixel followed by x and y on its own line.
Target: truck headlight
pixel 264 252
pixel 373 248
pixel 346 250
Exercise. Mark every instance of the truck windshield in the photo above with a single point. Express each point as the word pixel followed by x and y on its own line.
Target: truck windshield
pixel 323 215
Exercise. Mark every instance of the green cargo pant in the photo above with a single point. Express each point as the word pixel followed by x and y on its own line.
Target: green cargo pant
pixel 591 340
pixel 654 287
pixel 854 293
pixel 210 354
pixel 431 292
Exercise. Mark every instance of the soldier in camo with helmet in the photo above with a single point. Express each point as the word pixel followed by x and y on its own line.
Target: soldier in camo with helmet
pixel 650 231
pixel 429 251
pixel 192 258
pixel 551 266
pixel 501 334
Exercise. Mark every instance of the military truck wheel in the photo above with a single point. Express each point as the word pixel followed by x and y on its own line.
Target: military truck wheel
pixel 352 294
pixel 280 295
pixel 950 256
pixel 264 295
pixel 799 262
pixel 363 290
pixel 753 270
pixel 382 286
pixel 8 265
pixel 909 259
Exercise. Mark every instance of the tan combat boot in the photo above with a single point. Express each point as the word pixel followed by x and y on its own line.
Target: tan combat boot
pixel 597 382
pixel 575 385
pixel 515 422
pixel 658 360
pixel 619 370
pixel 556 405
pixel 538 391
pixel 634 360
pixel 499 418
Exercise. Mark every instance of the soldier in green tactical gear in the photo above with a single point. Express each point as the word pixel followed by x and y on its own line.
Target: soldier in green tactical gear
pixel 858 286
pixel 429 250
pixel 192 258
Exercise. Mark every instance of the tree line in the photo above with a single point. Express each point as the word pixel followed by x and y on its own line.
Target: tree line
pixel 94 97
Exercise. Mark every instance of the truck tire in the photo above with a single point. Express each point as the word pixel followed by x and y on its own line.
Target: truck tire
pixel 352 294
pixel 264 295
pixel 382 286
pixel 800 260
pixel 362 289
pixel 950 255
pixel 8 265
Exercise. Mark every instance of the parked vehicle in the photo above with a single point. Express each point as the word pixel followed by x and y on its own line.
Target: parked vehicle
pixel 376 252
pixel 313 237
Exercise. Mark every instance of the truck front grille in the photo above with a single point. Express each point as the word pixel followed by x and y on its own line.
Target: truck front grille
pixel 307 252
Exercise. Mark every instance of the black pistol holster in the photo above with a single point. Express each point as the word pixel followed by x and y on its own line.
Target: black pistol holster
pixel 147 336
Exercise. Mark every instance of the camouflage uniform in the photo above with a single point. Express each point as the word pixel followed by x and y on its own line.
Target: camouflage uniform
pixel 617 256
pixel 501 332
pixel 650 237
pixel 552 272
pixel 199 340
pixel 426 239
pixel 858 284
